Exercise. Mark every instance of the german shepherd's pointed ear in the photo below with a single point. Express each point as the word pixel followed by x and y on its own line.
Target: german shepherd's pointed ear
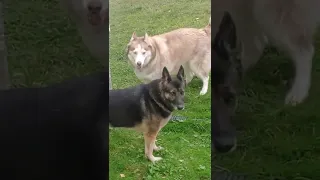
pixel 165 75
pixel 134 36
pixel 180 74
pixel 225 40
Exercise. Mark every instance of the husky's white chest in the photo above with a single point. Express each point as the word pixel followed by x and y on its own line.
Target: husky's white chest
pixel 145 76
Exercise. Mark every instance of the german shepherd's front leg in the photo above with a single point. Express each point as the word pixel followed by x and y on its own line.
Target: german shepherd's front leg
pixel 157 148
pixel 150 139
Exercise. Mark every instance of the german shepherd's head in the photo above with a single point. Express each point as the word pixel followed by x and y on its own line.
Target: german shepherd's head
pixel 169 91
pixel 226 73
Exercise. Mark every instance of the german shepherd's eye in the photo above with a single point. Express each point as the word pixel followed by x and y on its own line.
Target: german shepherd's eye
pixel 182 92
pixel 173 93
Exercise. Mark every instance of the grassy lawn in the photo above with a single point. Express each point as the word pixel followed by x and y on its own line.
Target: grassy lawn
pixel 187 144
pixel 275 142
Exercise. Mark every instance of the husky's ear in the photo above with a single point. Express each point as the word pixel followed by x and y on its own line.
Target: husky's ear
pixel 180 74
pixel 226 39
pixel 146 36
pixel 165 75
pixel 147 39
pixel 134 36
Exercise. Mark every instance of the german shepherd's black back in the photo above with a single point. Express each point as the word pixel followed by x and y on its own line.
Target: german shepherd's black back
pixel 129 106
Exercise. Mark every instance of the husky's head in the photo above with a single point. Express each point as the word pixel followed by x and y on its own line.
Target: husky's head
pixel 226 73
pixel 97 11
pixel 140 51
pixel 171 89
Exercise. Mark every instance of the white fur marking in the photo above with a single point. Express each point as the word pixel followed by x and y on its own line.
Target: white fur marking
pixel 301 85
pixel 205 86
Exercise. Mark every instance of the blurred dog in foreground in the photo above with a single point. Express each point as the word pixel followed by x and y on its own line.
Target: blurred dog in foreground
pixel 289 25
pixel 55 132
pixel 227 72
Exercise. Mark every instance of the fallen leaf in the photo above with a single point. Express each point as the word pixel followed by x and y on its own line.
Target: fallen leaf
pixel 122 175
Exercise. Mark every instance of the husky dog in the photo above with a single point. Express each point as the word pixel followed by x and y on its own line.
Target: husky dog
pixel 289 25
pixel 148 107
pixel 188 47
pixel 227 70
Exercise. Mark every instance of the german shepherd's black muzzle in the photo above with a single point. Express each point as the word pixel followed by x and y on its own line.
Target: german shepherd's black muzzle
pixel 226 73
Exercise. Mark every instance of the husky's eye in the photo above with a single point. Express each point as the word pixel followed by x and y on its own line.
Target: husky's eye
pixel 182 92
pixel 173 93
pixel 135 52
pixel 143 53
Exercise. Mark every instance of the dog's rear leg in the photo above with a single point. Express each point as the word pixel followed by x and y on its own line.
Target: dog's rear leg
pixel 301 55
pixel 150 138
pixel 202 72
pixel 205 81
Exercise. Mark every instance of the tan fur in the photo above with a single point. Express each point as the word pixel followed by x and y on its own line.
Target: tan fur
pixel 188 47
pixel 150 127
pixel 287 24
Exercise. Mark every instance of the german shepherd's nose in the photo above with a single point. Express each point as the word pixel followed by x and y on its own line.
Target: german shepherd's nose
pixel 225 144
pixel 180 107
pixel 94 6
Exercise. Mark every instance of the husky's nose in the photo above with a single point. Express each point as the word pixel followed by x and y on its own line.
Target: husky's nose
pixel 94 6
pixel 180 107
pixel 139 64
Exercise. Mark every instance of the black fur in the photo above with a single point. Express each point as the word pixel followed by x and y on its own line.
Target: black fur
pixel 125 108
pixel 227 72
pixel 129 106
pixel 56 132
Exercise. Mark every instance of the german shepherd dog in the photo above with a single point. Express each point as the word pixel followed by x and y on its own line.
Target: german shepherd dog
pixel 227 73
pixel 55 132
pixel 148 107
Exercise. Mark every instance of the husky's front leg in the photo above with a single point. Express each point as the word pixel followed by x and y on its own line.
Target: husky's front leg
pixel 149 139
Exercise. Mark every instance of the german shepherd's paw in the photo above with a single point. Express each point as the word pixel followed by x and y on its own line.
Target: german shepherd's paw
pixel 155 159
pixel 158 148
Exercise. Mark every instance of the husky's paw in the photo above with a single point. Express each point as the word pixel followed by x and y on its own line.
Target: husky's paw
pixel 158 148
pixel 295 97
pixel 155 159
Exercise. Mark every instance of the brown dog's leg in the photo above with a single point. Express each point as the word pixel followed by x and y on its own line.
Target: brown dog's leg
pixel 150 139
pixel 157 148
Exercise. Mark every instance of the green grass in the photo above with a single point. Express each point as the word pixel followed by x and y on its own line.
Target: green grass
pixel 275 142
pixel 187 144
